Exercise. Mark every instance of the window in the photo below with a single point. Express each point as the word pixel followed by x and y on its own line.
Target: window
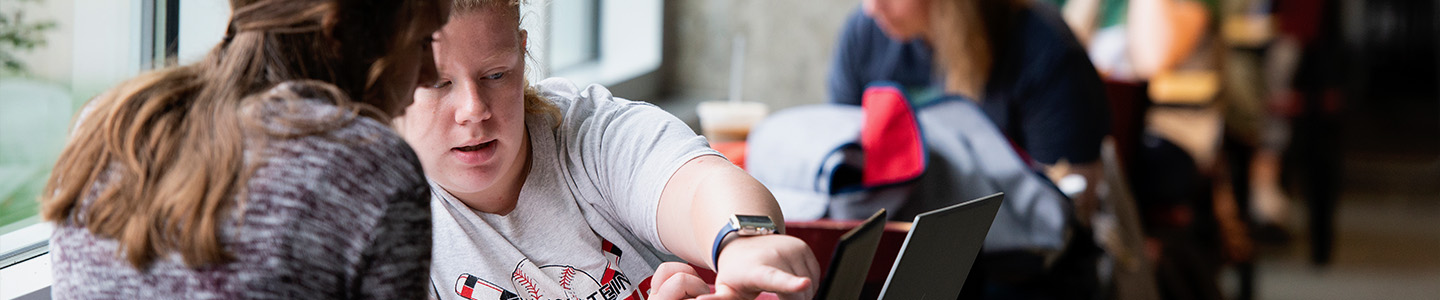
pixel 595 41
pixel 61 53
pixel 575 25
pixel 86 47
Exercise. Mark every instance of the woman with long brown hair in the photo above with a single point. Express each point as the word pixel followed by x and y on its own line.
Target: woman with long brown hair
pixel 265 170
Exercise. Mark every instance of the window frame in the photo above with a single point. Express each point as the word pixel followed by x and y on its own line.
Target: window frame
pixel 25 267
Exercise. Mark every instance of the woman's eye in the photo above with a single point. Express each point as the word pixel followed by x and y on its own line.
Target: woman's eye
pixel 438 84
pixel 495 76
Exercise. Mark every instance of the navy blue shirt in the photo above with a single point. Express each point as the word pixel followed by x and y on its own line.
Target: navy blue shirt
pixel 1042 91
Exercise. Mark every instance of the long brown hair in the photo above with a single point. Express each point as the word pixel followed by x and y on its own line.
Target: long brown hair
pixel 966 34
pixel 155 162
pixel 535 105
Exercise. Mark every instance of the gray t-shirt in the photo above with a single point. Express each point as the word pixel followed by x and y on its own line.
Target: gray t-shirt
pixel 584 227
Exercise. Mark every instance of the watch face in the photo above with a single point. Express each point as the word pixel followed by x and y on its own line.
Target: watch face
pixel 754 220
pixel 754 225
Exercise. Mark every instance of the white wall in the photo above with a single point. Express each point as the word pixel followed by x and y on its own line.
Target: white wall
pixel 202 26
pixel 789 45
pixel 106 45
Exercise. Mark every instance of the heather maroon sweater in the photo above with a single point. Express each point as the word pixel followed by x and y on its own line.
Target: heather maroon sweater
pixel 343 213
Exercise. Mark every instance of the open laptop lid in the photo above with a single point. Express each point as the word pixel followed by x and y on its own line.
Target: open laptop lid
pixel 851 263
pixel 940 249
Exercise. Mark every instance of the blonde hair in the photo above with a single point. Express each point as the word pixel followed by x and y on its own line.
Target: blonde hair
pixel 166 149
pixel 965 35
pixel 535 105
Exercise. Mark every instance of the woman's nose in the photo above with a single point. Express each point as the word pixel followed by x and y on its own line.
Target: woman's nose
pixel 472 107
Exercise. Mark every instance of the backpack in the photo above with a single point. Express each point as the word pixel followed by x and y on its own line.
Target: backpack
pixel 844 162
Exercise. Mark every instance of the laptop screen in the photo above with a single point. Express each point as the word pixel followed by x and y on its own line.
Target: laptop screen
pixel 940 249
pixel 851 263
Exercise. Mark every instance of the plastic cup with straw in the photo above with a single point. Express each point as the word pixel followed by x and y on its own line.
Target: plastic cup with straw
pixel 730 121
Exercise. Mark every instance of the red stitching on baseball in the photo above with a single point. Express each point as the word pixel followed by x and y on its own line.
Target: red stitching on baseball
pixel 529 285
pixel 566 277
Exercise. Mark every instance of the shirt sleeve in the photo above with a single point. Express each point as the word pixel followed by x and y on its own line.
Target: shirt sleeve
pixel 398 259
pixel 361 211
pixel 845 84
pixel 628 150
pixel 395 263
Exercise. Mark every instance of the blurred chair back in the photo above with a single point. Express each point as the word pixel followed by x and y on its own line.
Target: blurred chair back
pixel 1118 225
pixel 1128 103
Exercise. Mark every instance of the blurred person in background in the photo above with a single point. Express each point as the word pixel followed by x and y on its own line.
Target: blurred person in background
pixel 1027 72
pixel 1136 40
pixel 1172 56
pixel 265 170
pixel 1259 65
pixel 550 190
pixel 1311 95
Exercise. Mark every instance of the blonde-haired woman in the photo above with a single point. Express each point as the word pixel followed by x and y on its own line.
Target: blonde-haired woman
pixel 1015 58
pixel 1019 63
pixel 550 191
pixel 266 170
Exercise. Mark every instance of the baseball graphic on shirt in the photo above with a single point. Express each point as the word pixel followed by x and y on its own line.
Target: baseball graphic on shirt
pixel 558 281
pixel 474 288
pixel 554 282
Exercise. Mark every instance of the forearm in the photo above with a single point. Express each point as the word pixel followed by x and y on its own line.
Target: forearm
pixel 1162 32
pixel 700 198
pixel 1080 15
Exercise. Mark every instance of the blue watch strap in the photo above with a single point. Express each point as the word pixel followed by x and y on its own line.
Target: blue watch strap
pixel 720 237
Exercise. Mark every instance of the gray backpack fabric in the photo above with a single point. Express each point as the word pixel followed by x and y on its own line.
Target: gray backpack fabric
pixel 805 155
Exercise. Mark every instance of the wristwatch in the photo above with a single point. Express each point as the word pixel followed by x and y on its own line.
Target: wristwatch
pixel 744 225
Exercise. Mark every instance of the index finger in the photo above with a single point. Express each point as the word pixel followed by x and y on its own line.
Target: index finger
pixel 765 278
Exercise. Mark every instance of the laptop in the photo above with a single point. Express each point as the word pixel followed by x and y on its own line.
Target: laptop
pixel 851 262
pixel 940 249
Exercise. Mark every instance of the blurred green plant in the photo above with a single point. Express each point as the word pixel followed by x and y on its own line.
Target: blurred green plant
pixel 19 35
pixel 19 192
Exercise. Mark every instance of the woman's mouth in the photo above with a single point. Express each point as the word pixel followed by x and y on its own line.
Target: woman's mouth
pixel 475 147
pixel 475 154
